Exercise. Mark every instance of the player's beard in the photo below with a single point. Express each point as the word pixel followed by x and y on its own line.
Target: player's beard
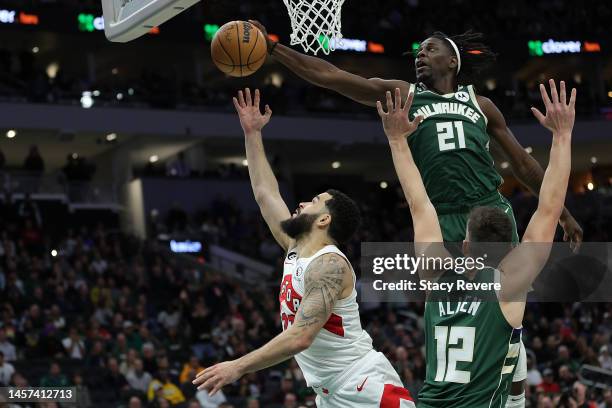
pixel 297 226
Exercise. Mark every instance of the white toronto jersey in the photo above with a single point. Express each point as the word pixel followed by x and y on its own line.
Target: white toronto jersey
pixel 341 342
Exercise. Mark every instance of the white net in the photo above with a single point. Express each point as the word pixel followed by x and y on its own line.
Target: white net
pixel 316 24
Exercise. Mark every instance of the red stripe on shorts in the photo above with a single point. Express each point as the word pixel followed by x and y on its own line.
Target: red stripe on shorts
pixel 392 395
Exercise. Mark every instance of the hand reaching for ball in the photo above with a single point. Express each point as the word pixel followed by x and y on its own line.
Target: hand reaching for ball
pixel 251 118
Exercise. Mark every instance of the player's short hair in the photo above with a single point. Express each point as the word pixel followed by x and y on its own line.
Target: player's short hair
pixel 489 224
pixel 345 214
pixel 475 55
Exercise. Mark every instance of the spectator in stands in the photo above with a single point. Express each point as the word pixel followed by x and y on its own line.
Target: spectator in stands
pixel 6 371
pixel 290 401
pixel 34 162
pixel 138 379
pixel 28 209
pixel 253 403
pixel 2 160
pixel 178 167
pixel 113 381
pixel 605 360
pixel 83 398
pixel 176 219
pixel 164 387
pixel 7 348
pixel 74 344
pixel 190 369
pixel 55 377
pixel 607 402
pixel 548 384
pixel 134 402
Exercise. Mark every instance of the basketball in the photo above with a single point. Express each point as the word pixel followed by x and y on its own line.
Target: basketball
pixel 239 49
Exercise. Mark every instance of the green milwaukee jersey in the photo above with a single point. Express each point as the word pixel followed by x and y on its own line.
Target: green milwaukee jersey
pixel 471 349
pixel 451 147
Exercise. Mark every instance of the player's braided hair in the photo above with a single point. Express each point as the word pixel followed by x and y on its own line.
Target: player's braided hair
pixel 475 55
pixel 345 214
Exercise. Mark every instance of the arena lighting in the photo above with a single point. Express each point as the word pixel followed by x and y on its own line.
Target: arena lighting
pixel 153 158
pixel 35 50
pixel 351 44
pixel 245 162
pixel 87 100
pixel 7 16
pixel 505 165
pixel 191 247
pixel 539 48
pixel 529 149
pixel 111 136
pixel 383 185
pixel 53 253
pixel 336 165
pixel 28 19
pixel 594 160
pixel 590 186
pixel 11 133
pixel 209 31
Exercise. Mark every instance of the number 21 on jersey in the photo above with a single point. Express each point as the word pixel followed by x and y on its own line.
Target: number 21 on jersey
pixel 450 135
pixel 448 356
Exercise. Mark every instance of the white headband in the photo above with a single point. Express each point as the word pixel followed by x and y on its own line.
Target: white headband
pixel 452 43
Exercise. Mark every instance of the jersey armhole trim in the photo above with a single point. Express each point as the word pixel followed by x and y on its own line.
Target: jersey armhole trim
pixel 475 102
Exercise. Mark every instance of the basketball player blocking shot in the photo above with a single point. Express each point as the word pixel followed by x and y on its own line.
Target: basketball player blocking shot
pixel 451 146
pixel 318 300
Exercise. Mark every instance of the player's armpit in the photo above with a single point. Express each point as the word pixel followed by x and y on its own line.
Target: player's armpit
pixel 326 280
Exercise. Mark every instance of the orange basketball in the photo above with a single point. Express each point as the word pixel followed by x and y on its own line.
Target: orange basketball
pixel 239 48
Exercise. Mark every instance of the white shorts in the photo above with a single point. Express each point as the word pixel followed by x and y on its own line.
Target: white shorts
pixel 371 383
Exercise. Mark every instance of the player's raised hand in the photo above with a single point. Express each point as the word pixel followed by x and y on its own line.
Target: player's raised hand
pixel 560 113
pixel 251 118
pixel 214 378
pixel 395 121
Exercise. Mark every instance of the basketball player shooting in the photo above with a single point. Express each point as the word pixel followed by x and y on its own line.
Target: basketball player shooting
pixel 319 311
pixel 473 346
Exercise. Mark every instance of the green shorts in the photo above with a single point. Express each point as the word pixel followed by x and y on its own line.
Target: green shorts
pixel 453 219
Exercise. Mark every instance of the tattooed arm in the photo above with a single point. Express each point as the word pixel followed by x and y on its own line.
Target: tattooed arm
pixel 327 279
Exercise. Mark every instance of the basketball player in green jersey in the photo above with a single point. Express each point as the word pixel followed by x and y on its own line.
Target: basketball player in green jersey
pixel 451 147
pixel 472 345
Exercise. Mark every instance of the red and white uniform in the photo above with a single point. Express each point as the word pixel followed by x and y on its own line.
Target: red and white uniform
pixel 341 364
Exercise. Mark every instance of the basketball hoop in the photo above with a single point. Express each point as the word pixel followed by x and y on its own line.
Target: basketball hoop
pixel 316 24
pixel 125 20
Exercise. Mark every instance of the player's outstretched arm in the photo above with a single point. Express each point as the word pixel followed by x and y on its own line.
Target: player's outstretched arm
pixel 324 281
pixel 263 181
pixel 523 264
pixel 323 74
pixel 526 169
pixel 398 127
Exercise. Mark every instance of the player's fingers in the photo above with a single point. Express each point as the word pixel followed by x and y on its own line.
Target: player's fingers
pixel 268 111
pixel 409 100
pixel 562 94
pixel 553 91
pixel 577 242
pixel 256 100
pixel 249 101
pixel 417 121
pixel 236 104
pixel 389 102
pixel 208 384
pixel 398 99
pixel 545 98
pixel 241 98
pixel 572 101
pixel 380 110
pixel 538 114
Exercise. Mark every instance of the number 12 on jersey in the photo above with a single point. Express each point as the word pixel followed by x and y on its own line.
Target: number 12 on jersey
pixel 448 357
pixel 446 135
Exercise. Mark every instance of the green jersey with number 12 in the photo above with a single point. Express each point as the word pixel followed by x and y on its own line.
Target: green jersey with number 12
pixel 451 146
pixel 471 349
